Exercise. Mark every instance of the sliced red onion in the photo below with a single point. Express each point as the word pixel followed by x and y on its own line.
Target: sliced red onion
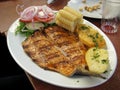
pixel 29 13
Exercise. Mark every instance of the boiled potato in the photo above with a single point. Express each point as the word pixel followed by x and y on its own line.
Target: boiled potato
pixel 90 37
pixel 97 60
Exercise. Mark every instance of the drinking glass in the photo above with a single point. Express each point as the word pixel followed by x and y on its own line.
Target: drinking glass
pixel 110 16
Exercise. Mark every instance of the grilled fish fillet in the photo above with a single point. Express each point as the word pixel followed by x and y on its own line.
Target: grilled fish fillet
pixel 56 49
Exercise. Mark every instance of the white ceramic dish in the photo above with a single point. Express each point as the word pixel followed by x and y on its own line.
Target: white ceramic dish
pixel 77 4
pixel 76 81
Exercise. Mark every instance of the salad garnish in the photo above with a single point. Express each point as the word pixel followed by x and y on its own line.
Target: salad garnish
pixel 35 18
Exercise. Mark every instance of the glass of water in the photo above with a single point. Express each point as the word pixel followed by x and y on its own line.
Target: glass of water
pixel 110 16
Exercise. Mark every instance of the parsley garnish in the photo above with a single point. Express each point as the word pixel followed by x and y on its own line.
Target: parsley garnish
pixel 84 27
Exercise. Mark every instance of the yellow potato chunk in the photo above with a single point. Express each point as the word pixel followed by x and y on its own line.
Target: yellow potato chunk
pixel 90 37
pixel 97 60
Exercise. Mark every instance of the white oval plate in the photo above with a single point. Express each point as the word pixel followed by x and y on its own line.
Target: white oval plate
pixel 77 4
pixel 76 81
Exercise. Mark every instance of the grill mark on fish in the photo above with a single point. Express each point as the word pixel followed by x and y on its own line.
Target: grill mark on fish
pixel 56 49
pixel 72 49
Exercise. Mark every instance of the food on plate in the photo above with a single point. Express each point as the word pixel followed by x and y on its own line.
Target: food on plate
pixel 81 9
pixel 35 17
pixel 97 60
pixel 34 26
pixel 37 14
pixel 68 18
pixel 90 8
pixel 90 37
pixel 67 46
pixel 56 49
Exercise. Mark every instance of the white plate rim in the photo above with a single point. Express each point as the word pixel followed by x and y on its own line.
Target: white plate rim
pixel 50 77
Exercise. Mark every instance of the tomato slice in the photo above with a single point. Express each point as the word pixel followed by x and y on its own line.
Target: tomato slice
pixel 43 19
pixel 28 14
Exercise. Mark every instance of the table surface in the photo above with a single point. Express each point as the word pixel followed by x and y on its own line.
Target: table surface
pixel 8 15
